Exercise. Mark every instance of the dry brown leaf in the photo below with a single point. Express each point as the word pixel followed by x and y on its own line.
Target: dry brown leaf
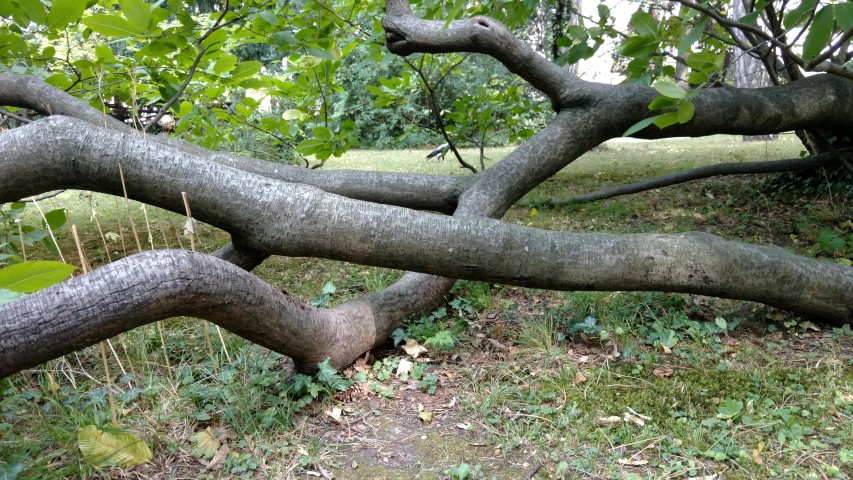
pixel 413 349
pixel 634 463
pixel 807 325
pixel 663 372
pixel 360 364
pixel 219 458
pixel 635 419
pixel 334 414
pixel 579 377
pixel 611 420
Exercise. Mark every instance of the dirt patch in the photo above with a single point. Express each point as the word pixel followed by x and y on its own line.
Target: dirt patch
pixel 388 438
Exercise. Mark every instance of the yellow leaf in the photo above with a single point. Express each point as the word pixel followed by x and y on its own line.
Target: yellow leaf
pixel 206 444
pixel 111 447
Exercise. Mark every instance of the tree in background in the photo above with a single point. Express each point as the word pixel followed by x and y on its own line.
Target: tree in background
pixel 185 63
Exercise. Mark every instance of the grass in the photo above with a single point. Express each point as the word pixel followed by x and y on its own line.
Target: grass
pixel 516 383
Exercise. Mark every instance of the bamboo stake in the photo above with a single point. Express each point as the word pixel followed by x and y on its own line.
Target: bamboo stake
pixel 127 209
pixel 85 266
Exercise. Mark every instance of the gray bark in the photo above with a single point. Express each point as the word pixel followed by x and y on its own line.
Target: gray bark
pixel 290 212
pixel 749 71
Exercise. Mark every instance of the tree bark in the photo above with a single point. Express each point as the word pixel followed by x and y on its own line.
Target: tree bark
pixel 270 210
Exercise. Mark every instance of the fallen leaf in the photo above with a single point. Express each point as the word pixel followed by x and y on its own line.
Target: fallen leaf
pixel 611 420
pixel 807 325
pixel 426 416
pixel 635 418
pixel 663 372
pixel 635 463
pixel 463 426
pixel 413 349
pixel 219 459
pixel 756 453
pixel 579 377
pixel 334 414
pixel 705 477
pixel 404 367
pixel 360 364
pixel 206 444
pixel 112 447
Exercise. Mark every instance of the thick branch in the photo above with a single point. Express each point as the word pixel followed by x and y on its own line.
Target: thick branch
pixel 819 102
pixel 302 221
pixel 156 285
pixel 418 191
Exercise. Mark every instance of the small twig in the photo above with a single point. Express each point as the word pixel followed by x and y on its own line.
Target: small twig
pixel 44 197
pixel 19 118
pixel 533 472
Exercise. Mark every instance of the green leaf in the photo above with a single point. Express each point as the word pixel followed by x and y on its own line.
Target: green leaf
pixel 7 296
pixel 65 12
pixel 294 114
pixel 138 14
pixel 799 14
pixel 28 277
pixel 694 34
pixel 750 18
pixel 111 447
pixel 685 112
pixel 56 219
pixel 661 103
pixel 666 119
pixel 670 89
pixel 637 46
pixel 844 15
pixel 640 125
pixel 329 288
pixel 33 10
pixel 644 23
pixel 729 408
pixel 109 25
pixel 310 146
pixel 322 133
pixel 10 471
pixel 225 63
pixel 214 41
pixel 246 69
pixel 704 61
pixel 819 33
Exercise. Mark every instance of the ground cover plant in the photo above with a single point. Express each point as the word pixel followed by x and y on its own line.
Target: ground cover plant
pixel 571 385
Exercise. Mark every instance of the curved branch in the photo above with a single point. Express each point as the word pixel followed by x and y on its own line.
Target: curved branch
pixel 156 285
pixel 748 168
pixel 406 34
pixel 418 191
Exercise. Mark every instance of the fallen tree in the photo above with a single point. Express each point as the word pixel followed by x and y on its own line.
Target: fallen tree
pixel 370 218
